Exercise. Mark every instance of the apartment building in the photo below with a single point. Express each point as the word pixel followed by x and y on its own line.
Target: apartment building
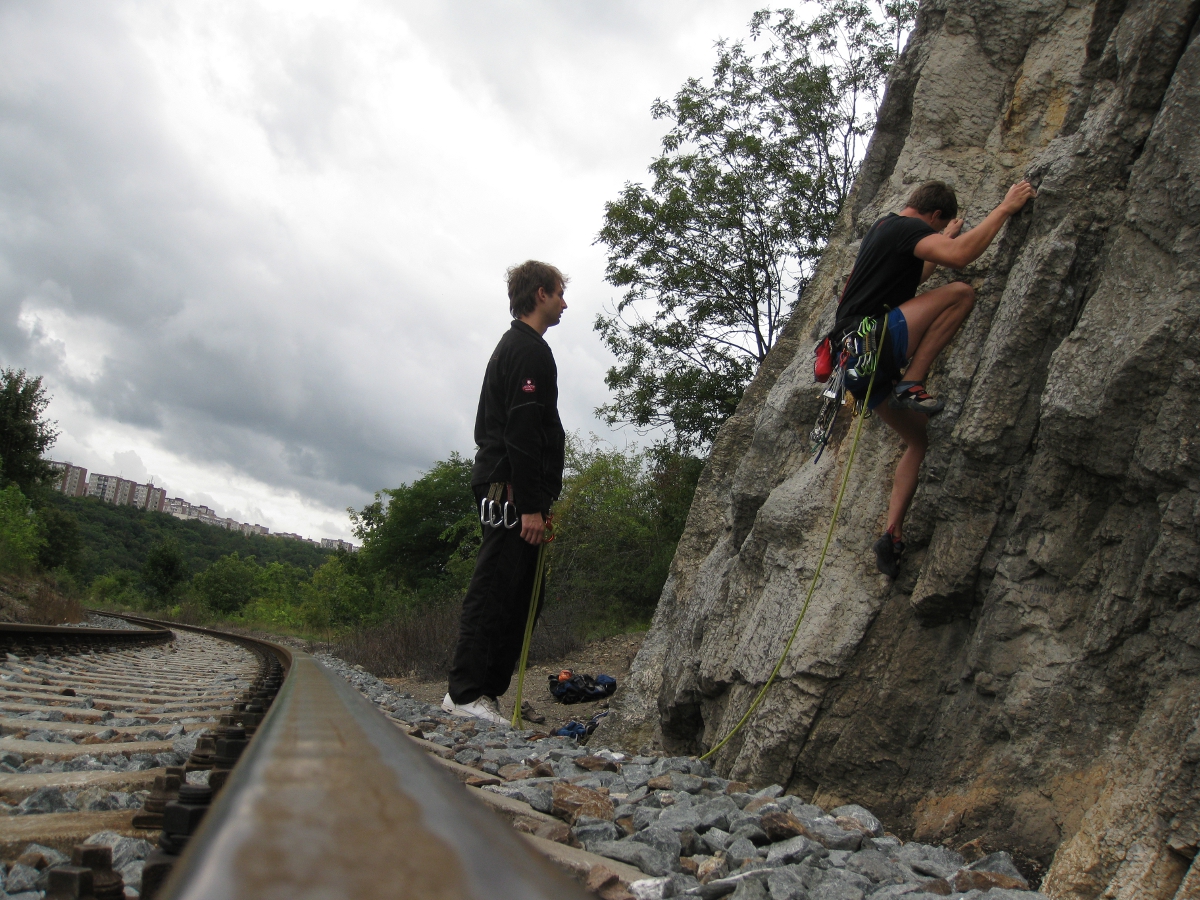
pixel 156 499
pixel 125 492
pixel 296 537
pixel 74 478
pixel 113 489
pixel 104 487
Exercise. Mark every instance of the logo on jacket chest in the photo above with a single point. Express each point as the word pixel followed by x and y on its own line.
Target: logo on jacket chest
pixel 529 387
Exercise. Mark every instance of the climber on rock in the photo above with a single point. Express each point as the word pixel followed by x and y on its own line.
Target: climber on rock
pixel 898 253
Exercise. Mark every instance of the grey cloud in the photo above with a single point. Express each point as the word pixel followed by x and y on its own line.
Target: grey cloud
pixel 226 334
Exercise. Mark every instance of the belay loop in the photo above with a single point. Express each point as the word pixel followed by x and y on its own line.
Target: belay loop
pixel 837 508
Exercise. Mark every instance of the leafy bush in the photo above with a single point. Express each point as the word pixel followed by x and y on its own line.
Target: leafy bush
pixel 118 590
pixel 336 596
pixel 228 584
pixel 618 522
pixel 60 539
pixel 164 570
pixel 20 538
pixel 413 540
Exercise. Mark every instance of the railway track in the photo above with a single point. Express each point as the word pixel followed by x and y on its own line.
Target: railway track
pixel 297 786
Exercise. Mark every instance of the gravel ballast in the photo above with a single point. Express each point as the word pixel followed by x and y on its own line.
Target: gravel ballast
pixel 691 832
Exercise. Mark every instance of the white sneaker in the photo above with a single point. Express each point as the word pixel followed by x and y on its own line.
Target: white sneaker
pixel 484 708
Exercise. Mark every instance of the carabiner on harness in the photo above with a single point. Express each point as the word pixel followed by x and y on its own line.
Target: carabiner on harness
pixel 854 373
pixel 491 512
pixel 516 519
pixel 833 396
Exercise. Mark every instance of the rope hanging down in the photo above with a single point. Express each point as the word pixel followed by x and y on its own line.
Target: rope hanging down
pixel 820 564
pixel 538 578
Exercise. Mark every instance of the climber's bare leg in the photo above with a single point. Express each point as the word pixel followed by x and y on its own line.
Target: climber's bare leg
pixel 911 428
pixel 933 318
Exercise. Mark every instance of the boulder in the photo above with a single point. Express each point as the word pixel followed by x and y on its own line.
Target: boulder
pixel 649 860
pixel 571 801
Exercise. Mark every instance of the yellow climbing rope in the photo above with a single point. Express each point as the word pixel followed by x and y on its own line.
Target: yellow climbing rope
pixel 820 564
pixel 538 578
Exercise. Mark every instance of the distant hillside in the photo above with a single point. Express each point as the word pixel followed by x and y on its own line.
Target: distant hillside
pixel 119 537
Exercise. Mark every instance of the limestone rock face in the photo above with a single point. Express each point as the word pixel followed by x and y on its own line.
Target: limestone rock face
pixel 1032 679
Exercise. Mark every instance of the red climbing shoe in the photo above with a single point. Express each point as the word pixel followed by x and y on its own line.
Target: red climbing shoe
pixel 915 398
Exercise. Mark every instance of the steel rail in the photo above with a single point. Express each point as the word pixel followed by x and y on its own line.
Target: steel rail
pixel 331 800
pixel 19 636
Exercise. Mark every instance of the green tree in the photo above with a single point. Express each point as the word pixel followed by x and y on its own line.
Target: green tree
pixel 618 522
pixel 713 254
pixel 336 596
pixel 117 588
pixel 121 537
pixel 164 569
pixel 60 539
pixel 20 539
pixel 228 584
pixel 24 434
pixel 411 540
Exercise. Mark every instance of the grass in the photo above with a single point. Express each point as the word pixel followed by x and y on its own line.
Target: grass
pixel 37 600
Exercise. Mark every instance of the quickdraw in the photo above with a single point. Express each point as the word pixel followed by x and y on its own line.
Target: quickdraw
pixel 873 346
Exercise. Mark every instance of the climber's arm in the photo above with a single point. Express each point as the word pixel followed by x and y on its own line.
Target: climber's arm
pixel 966 248
pixel 951 231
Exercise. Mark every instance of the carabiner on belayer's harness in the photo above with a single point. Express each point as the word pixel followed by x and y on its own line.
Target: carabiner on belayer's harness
pixel 495 509
pixel 858 357
pixel 837 508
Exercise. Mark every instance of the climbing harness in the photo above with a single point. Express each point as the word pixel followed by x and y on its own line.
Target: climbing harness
pixel 538 577
pixel 860 365
pixel 494 509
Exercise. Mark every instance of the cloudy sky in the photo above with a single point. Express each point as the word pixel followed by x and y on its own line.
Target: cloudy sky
pixel 256 249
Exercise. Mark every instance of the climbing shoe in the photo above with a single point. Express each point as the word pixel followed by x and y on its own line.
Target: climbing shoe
pixel 887 555
pixel 914 397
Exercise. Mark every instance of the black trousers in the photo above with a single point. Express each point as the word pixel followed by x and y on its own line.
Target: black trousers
pixel 494 612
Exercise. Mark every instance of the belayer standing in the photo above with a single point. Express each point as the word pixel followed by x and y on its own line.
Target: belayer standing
pixel 517 475
pixel 898 253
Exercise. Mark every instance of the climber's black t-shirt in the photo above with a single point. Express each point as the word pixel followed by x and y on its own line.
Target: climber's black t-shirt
pixel 886 273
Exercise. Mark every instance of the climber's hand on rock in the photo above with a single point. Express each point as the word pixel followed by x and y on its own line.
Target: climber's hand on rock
pixel 1017 196
pixel 953 228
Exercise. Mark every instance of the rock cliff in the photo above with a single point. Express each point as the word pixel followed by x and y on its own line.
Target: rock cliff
pixel 1032 679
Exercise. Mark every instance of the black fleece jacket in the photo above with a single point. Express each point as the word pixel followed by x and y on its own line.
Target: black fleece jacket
pixel 518 433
